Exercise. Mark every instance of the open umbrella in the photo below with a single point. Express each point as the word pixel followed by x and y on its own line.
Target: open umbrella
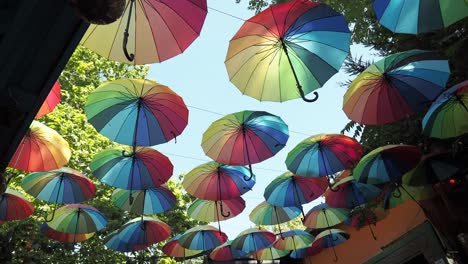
pixel 78 219
pixel 267 214
pixel 293 240
pixel 399 194
pixel 324 216
pixel 149 31
pixel 41 149
pixel 217 182
pixel 253 239
pixel 299 42
pixel 14 206
pixel 351 193
pixel 149 201
pixel 132 168
pixel 64 237
pixel 226 252
pixel 210 211
pixel 304 252
pixel 136 112
pixel 173 249
pixel 331 238
pixel 289 190
pixel 324 155
pixel 419 16
pixel 269 253
pixel 114 242
pixel 245 138
pixel 50 102
pixel 448 115
pixel 203 237
pixel 396 87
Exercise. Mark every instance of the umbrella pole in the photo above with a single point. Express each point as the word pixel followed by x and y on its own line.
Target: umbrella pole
pixel 220 197
pixel 299 86
pixel 76 226
pixel 278 222
pixel 56 200
pixel 298 199
pixel 411 196
pixel 244 135
pixel 217 216
pixel 369 225
pixel 129 56
pixel 130 198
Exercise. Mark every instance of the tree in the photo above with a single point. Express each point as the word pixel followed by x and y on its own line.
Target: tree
pixel 21 241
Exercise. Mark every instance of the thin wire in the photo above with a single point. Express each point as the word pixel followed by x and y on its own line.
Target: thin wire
pixel 222 12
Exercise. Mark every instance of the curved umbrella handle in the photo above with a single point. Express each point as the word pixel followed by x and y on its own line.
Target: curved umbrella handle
pixel 53 215
pixel 330 186
pixel 130 57
pixel 251 174
pixel 127 154
pixel 222 211
pixel 301 92
pixel 396 193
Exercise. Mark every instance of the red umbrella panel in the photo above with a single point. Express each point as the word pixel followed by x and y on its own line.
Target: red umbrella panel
pixel 63 237
pixel 50 102
pixel 14 206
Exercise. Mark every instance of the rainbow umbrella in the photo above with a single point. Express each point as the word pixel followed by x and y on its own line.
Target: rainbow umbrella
pixel 253 239
pixel 324 216
pixel 77 219
pixel 448 115
pixel 293 240
pixel 419 16
pixel 387 164
pixel 173 249
pixel 267 214
pixel 63 237
pixel 132 168
pixel 269 253
pixel 331 238
pixel 114 242
pixel 209 211
pixel 399 194
pixel 396 87
pixel 304 252
pixel 217 182
pixel 324 155
pixel 289 190
pixel 149 31
pixel 41 149
pixel 203 237
pixel 150 201
pixel 245 138
pixel 14 206
pixel 299 42
pixel 136 112
pixel 351 193
pixel 50 102
pixel 226 252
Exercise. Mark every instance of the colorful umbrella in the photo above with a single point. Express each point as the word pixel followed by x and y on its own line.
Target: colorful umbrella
pixel 365 215
pixel 114 242
pixel 396 87
pixel 41 149
pixel 14 206
pixel 399 194
pixel 150 201
pixel 64 237
pixel 226 252
pixel 299 42
pixel 269 253
pixel 351 193
pixel 217 182
pixel 331 238
pixel 289 190
pixel 149 31
pixel 136 112
pixel 133 169
pixel 203 237
pixel 419 16
pixel 174 249
pixel 78 219
pixel 245 138
pixel 210 211
pixel 387 164
pixel 50 102
pixel 324 216
pixel 304 252
pixel 253 239
pixel 267 214
pixel 324 155
pixel 448 115
pixel 293 240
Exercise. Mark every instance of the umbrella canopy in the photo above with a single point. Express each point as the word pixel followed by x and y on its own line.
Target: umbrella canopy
pixel 324 216
pixel 14 206
pixel 41 149
pixel 63 186
pixel 203 237
pixel 149 31
pixel 396 87
pixel 419 16
pixel 293 240
pixel 299 42
pixel 50 102
pixel 387 164
pixel 245 138
pixel 148 202
pixel 253 239
pixel 226 252
pixel 269 253
pixel 64 237
pixel 136 112
pixel 350 193
pixel 331 238
pixel 174 249
pixel 304 252
pixel 215 181
pixel 324 155
pixel 267 214
pixel 402 193
pixel 78 219
pixel 448 115
pixel 114 242
pixel 132 168
pixel 210 211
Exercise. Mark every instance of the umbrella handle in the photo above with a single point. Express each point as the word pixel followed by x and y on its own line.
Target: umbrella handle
pixel 251 173
pixel 127 154
pixel 175 137
pixel 396 193
pixel 330 186
pixel 222 211
pixel 301 92
pixel 53 215
pixel 130 57
pixel 335 258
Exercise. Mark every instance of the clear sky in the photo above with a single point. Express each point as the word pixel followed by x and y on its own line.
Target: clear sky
pixel 200 77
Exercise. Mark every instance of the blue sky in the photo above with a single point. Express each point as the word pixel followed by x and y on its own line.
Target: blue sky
pixel 199 76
